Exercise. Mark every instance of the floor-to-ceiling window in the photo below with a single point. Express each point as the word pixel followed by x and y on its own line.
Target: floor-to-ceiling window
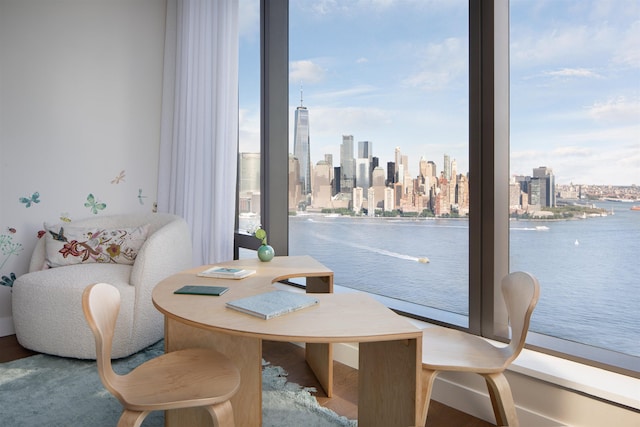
pixel 379 183
pixel 575 161
pixel 356 106
pixel 249 159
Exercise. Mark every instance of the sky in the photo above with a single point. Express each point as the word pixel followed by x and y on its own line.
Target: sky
pixel 395 72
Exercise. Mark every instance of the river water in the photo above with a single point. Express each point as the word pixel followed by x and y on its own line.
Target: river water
pixel 588 269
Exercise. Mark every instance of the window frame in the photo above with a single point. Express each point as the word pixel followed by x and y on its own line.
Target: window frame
pixel 488 165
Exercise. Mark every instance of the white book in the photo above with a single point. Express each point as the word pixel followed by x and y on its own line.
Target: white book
pixel 221 272
pixel 272 304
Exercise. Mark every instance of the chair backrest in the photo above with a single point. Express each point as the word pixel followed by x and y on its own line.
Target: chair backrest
pixel 155 220
pixel 520 291
pixel 101 304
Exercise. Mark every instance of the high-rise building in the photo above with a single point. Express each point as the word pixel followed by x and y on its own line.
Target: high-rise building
pixel 363 173
pixel 389 201
pixel 547 186
pixel 322 185
pixel 378 185
pixel 301 146
pixel 365 150
pixel 294 195
pixel 249 173
pixel 447 167
pixel 358 199
pixel 371 202
pixel 347 164
pixel 249 185
pixel 335 188
pixel 391 172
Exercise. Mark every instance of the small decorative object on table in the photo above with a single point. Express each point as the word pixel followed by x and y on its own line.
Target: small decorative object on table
pixel 265 252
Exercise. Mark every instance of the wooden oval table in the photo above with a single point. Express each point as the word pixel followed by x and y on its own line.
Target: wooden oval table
pixel 390 347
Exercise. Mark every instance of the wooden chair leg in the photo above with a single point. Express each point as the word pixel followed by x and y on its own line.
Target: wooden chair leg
pixel 428 376
pixel 221 414
pixel 501 399
pixel 131 418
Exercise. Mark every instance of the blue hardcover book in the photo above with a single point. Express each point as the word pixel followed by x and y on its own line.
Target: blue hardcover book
pixel 272 304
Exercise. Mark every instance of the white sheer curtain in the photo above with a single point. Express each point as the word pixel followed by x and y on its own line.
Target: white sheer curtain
pixel 199 137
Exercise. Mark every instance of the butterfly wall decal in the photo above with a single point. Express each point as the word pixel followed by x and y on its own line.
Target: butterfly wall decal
pixel 35 198
pixel 94 205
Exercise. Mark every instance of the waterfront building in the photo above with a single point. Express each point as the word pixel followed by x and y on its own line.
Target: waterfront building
pixel 371 202
pixel 389 202
pixel 358 199
pixel 547 186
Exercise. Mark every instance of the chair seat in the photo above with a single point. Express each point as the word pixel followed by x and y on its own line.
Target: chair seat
pixel 179 379
pixel 453 350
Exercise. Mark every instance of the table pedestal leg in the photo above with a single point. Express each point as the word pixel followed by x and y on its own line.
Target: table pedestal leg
pixel 389 383
pixel 246 354
pixel 320 359
pixel 320 356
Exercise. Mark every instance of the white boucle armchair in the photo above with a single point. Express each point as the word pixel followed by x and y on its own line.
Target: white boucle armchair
pixel 47 303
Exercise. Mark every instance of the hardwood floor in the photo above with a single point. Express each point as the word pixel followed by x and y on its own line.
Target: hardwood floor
pixel 345 384
pixel 291 357
pixel 10 349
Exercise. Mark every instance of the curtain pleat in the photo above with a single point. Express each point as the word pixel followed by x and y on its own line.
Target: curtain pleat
pixel 199 138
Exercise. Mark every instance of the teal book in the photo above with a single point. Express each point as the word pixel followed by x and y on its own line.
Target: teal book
pixel 272 304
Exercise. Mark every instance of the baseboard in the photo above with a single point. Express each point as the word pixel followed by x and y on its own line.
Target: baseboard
pixel 468 395
pixel 6 326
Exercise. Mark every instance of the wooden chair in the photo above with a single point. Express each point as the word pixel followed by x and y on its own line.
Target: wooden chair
pixel 451 350
pixel 180 379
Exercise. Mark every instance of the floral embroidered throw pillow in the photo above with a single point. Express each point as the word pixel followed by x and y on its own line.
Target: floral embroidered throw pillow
pixel 67 245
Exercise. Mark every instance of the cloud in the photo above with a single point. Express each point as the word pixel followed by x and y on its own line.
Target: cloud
pixel 573 72
pixel 306 71
pixel 249 20
pixel 569 151
pixel 620 109
pixel 349 120
pixel 627 51
pixel 441 63
pixel 248 131
pixel 343 96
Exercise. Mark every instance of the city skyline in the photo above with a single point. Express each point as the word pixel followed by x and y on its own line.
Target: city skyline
pixel 397 77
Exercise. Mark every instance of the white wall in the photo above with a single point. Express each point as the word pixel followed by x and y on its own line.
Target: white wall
pixel 80 98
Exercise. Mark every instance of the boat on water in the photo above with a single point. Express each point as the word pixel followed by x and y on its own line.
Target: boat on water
pixel 635 208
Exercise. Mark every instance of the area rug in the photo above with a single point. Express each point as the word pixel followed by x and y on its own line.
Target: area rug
pixel 51 391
